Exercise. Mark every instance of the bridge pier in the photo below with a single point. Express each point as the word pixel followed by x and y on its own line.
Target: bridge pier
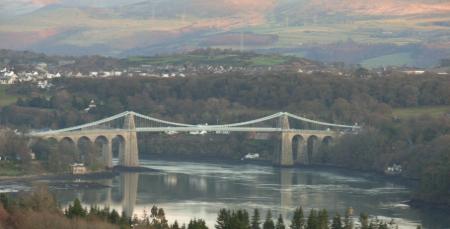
pixel 293 145
pixel 298 146
pixel 284 156
pixel 107 154
pixel 129 157
pixel 299 149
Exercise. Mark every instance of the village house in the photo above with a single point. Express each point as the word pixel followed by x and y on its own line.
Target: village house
pixel 78 169
pixel 8 77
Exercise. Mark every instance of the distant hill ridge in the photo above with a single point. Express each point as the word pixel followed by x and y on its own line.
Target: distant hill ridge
pixel 304 27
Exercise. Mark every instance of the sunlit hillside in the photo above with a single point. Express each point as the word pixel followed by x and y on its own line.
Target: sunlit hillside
pixel 417 30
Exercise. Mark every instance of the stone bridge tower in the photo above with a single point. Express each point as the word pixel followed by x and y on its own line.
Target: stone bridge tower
pixel 130 157
pixel 283 152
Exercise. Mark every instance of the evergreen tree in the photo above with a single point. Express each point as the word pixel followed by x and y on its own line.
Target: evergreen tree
pixel 243 219
pixel 298 220
pixel 114 217
pixel 268 223
pixel 256 220
pixel 175 225
pixel 222 221
pixel 76 210
pixel 280 223
pixel 161 216
pixel 197 224
pixel 312 222
pixel 337 222
pixel 238 220
pixel 323 219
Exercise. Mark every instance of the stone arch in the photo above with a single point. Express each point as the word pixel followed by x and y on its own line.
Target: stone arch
pixel 118 144
pixel 327 140
pixel 85 147
pixel 67 145
pixel 67 140
pixel 298 148
pixel 103 146
pixel 312 147
pixel 52 140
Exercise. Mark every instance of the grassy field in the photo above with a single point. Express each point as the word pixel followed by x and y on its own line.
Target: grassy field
pixel 397 59
pixel 268 60
pixel 6 99
pixel 218 59
pixel 433 111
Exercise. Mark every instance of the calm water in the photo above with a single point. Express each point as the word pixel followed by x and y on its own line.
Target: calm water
pixel 186 190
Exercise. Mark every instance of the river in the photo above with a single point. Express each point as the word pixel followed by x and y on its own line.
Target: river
pixel 198 190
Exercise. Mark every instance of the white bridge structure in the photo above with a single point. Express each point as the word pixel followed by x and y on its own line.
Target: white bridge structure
pixel 299 138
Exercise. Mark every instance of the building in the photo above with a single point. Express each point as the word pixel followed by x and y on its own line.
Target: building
pixel 78 169
pixel 414 72
pixel 8 78
pixel 91 106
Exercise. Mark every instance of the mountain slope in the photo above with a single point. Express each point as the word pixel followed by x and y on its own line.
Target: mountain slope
pixel 299 27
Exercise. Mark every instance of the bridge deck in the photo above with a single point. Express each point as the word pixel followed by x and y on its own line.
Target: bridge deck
pixel 184 129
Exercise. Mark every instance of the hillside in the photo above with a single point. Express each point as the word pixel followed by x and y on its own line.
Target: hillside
pixel 419 30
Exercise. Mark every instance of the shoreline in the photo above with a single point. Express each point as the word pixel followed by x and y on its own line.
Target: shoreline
pixel 410 182
pixel 106 174
pixel 67 179
pixel 116 170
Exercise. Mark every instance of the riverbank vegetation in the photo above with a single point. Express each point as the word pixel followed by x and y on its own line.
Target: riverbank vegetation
pixel 21 156
pixel 418 143
pixel 39 209
pixel 15 157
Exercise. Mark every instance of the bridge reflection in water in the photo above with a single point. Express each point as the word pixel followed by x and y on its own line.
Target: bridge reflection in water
pixel 163 188
pixel 187 189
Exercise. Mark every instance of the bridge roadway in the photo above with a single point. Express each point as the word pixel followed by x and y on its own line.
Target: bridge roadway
pixel 295 145
pixel 183 129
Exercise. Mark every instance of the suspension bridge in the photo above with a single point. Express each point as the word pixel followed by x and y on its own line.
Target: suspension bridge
pixel 298 138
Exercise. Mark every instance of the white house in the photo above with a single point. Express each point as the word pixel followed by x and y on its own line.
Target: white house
pixel 8 78
pixel 91 106
pixel 78 168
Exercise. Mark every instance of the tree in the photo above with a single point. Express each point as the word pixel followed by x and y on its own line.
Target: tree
pixel 280 223
pixel 77 211
pixel 268 223
pixel 114 217
pixel 298 220
pixel 362 72
pixel 337 222
pixel 323 219
pixel 312 222
pixel 255 224
pixel 162 218
pixel 13 147
pixel 240 220
pixel 175 225
pixel 197 224
pixel 41 200
pixel 222 221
